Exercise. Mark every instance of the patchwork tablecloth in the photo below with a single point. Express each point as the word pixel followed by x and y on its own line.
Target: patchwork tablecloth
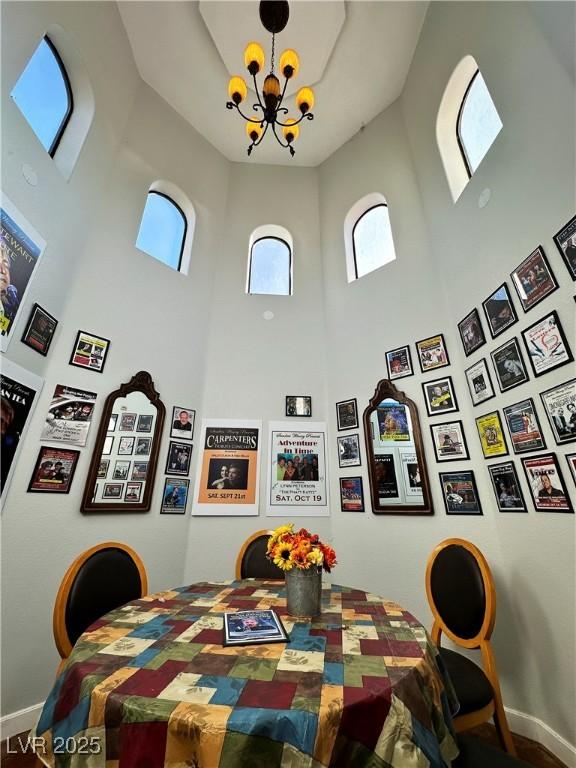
pixel 151 685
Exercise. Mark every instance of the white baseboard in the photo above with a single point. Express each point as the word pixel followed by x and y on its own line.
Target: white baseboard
pixel 19 722
pixel 535 729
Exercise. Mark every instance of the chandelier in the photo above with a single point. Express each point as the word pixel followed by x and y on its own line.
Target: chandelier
pixel 269 110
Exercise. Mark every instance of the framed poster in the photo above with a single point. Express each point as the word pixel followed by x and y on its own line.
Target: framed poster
pixel 439 396
pixel 546 344
pixel 349 451
pixel 112 422
pixel 174 496
pixel 182 423
pixel 127 422
pixel 571 459
pixel 125 446
pixel 178 459
pixel 524 427
pixel 145 422
pixel 533 279
pixel 121 470
pixel 69 416
pixel 560 405
pixel 298 405
pixel 253 627
pixel 108 443
pixel 392 420
pixel 565 241
pixel 460 493
pixel 133 492
pixel 399 363
pixel 139 470
pixel 347 414
pixel 39 330
pixel 112 490
pixel 449 441
pixel 90 351
pixel 143 445
pixel 546 483
pixel 491 435
pixel 471 332
pixel 385 473
pixel 302 491
pixel 20 391
pixel 21 248
pixel 103 469
pixel 228 469
pixel 432 353
pixel 411 475
pixel 506 485
pixel 509 365
pixel 499 311
pixel 479 382
pixel 351 494
pixel 54 470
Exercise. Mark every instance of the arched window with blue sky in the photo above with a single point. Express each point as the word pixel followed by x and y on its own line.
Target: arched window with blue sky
pixel 162 230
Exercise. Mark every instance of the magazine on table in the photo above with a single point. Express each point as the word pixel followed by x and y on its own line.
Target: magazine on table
pixel 250 627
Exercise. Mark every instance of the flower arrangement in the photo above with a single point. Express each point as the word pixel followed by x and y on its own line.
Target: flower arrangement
pixel 299 549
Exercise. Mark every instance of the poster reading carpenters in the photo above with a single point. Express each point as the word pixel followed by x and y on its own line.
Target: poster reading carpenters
pixel 228 469
pixel 297 470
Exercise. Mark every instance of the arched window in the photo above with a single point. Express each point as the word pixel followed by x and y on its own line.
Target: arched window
pixel 270 262
pixel 478 123
pixel 163 229
pixel 368 236
pixel 44 96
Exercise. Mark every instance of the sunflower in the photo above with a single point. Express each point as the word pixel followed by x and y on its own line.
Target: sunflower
pixel 282 554
pixel 315 557
pixel 278 534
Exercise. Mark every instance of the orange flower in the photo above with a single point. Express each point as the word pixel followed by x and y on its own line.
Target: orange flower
pixel 300 558
pixel 329 557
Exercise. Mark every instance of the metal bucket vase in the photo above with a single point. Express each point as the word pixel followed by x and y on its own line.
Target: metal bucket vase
pixel 304 592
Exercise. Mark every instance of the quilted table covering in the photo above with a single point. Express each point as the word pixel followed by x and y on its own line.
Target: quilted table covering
pixel 150 684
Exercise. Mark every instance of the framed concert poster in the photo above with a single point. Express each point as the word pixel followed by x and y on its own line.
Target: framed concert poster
pixel 560 405
pixel 432 353
pixel 509 365
pixel 39 330
pixel 491 435
pixel 399 363
pixel 533 279
pixel 523 427
pixel 471 332
pixel 565 241
pixel 546 344
pixel 506 485
pixel 546 483
pixel 479 382
pixel 499 311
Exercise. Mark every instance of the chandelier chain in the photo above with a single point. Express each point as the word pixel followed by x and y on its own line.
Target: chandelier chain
pixel 272 57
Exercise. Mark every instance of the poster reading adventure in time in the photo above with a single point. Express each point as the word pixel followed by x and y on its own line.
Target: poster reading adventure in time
pixel 228 469
pixel 297 470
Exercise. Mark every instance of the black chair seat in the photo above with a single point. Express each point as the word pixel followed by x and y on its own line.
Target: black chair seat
pixel 477 754
pixel 472 687
pixel 255 564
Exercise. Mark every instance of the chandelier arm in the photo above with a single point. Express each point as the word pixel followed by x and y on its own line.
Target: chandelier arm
pixel 231 105
pixel 308 116
pixel 287 145
pixel 281 99
pixel 257 94
pixel 262 136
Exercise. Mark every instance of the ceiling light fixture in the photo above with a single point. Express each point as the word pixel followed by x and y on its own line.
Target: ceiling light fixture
pixel 274 16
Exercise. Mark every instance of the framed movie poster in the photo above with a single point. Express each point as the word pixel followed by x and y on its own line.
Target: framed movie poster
pixel 560 405
pixel 133 492
pixel 54 470
pixel 174 496
pixel 112 491
pixel 509 365
pixel 297 470
pixel 546 344
pixel 471 332
pixel 143 446
pixel 347 414
pixel 20 391
pixel 571 459
pixel 479 382
pixel 21 248
pixel 460 493
pixel 121 469
pixel 127 422
pixel 385 472
pixel 90 352
pixel 103 469
pixel 491 435
pixel 439 396
pixel 351 494
pixel 178 459
pixel 69 416
pixel 449 441
pixel 432 353
pixel 349 451
pixel 565 241
pixel 145 422
pixel 506 485
pixel 298 405
pixel 499 311
pixel 125 446
pixel 524 427
pixel 39 330
pixel 399 363
pixel 411 475
pixel 533 279
pixel 228 469
pixel 182 423
pixel 546 483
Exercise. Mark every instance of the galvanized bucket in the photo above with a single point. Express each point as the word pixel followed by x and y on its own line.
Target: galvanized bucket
pixel 304 592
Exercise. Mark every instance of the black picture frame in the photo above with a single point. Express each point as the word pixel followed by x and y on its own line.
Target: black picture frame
pixel 509 365
pixel 145 422
pixel 491 435
pixel 399 363
pixel 143 446
pixel 174 463
pixel 182 433
pixel 507 488
pixel 112 422
pixel 535 468
pixel 172 504
pixel 35 336
pixel 424 347
pixel 276 633
pixel 127 422
pixel 460 493
pixel 296 409
pixel 499 311
pixel 533 279
pixel 347 414
pixel 445 450
pixel 445 394
pixel 555 400
pixel 351 494
pixel 349 451
pixel 471 332
pixel 571 459
pixel 108 445
pixel 103 469
pixel 523 426
pixel 121 473
pixel 86 356
pixel 131 497
pixel 125 445
pixel 47 454
pixel 565 240
pixel 139 471
pixel 112 490
pixel 479 381
pixel 541 354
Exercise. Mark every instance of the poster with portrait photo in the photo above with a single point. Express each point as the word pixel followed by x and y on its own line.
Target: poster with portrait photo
pixel 178 459
pixel 439 396
pixel 69 416
pixel 351 494
pixel 143 445
pixel 139 470
pixel 411 475
pixel 432 353
pixel 182 423
pixel 479 382
pixel 127 422
pixel 392 423
pixel 449 441
pixel 39 330
pixel 349 451
pixel 399 363
pixel 386 478
pixel 546 344
pixel 145 422
pixel 506 485
pixel 21 248
pixel 54 470
pixel 228 467
pixel 491 434
pixel 565 241
pixel 90 351
pixel 460 493
pixel 471 332
pixel 546 483
pixel 133 492
pixel 523 426
pixel 560 405
pixel 121 470
pixel 509 365
pixel 347 414
pixel 20 390
pixel 174 496
pixel 533 279
pixel 499 311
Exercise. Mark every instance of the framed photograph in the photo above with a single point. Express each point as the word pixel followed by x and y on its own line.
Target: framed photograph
pixel 145 422
pixel 560 405
pixel 112 422
pixel 449 441
pixel 399 363
pixel 90 351
pixel 347 414
pixel 506 485
pixel 524 427
pixel 509 365
pixel 174 496
pixel 121 470
pixel 351 494
pixel 471 332
pixel 349 451
pixel 127 422
pixel 479 382
pixel 491 435
pixel 54 470
pixel 143 445
pixel 546 483
pixel 69 416
pixel 178 459
pixel 108 443
pixel 565 241
pixel 298 405
pixel 112 490
pixel 139 470
pixel 460 493
pixel 125 446
pixel 39 330
pixel 182 423
pixel 571 459
pixel 499 311
pixel 103 469
pixel 133 492
pixel 432 353
pixel 251 627
pixel 546 344
pixel 439 396
pixel 533 279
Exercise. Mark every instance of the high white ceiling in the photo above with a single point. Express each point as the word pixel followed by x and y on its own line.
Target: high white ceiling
pixel 356 55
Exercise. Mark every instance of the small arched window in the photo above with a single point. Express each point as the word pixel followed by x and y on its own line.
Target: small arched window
pixel 368 237
pixel 270 262
pixel 44 96
pixel 478 123
pixel 163 229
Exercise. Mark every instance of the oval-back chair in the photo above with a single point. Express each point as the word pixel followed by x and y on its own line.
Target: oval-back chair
pixel 252 562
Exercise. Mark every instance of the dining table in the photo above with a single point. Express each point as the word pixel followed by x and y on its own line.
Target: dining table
pixel 151 684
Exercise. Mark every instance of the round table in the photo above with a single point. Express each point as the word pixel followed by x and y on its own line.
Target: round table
pixel 150 684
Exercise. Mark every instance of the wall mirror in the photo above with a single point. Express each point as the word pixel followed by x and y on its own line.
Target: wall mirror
pixel 397 471
pixel 125 457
